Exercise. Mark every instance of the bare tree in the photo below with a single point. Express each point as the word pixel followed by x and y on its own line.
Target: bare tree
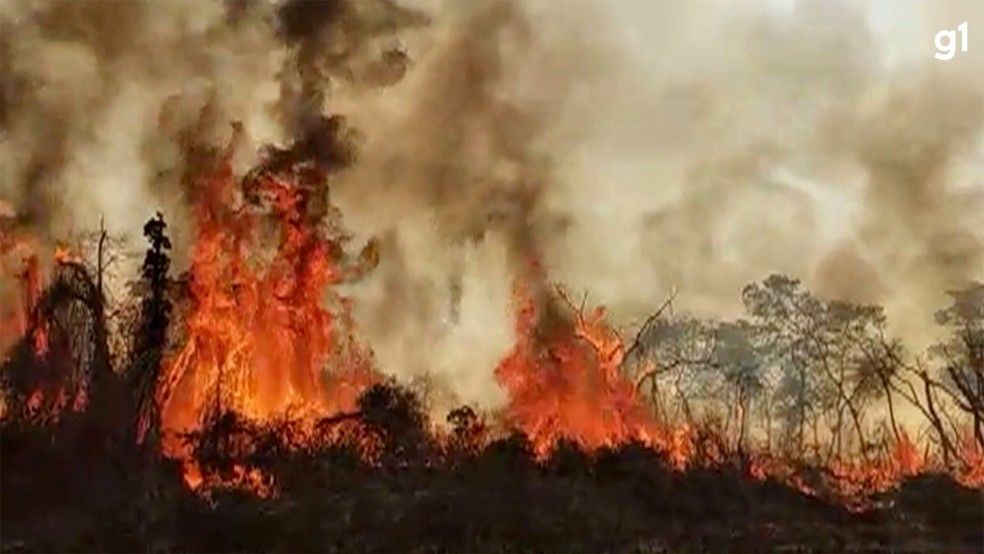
pixel 962 354
pixel 823 350
pixel 673 355
pixel 738 358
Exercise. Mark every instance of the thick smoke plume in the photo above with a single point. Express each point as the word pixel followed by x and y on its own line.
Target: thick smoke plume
pixel 632 148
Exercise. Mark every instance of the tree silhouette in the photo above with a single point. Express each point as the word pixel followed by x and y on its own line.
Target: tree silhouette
pixel 742 367
pixel 823 350
pixel 962 354
pixel 151 332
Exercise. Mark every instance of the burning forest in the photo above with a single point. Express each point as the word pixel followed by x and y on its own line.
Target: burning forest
pixel 238 369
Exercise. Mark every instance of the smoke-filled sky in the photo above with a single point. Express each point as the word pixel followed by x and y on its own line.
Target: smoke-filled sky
pixel 638 146
pixel 771 125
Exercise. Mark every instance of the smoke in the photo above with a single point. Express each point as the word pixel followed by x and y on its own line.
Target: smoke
pixel 804 139
pixel 95 95
pixel 634 148
pixel 918 223
pixel 451 177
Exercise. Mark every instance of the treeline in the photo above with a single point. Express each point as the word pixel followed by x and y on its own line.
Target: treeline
pixel 805 377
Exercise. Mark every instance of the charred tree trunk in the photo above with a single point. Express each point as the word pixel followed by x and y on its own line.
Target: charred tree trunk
pixel 109 401
pixel 768 425
pixel 801 435
pixel 891 406
pixel 856 419
pixel 836 443
pixel 936 420
pixel 741 419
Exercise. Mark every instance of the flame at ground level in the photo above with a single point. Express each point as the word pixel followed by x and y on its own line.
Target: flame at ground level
pixel 48 355
pixel 566 383
pixel 263 333
pixel 261 336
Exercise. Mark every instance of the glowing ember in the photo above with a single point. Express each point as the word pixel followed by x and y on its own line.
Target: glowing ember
pixel 240 478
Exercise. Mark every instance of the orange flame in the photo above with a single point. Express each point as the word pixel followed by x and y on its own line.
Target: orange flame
pixel 23 319
pixel 972 457
pixel 568 385
pixel 16 323
pixel 259 337
pixel 64 255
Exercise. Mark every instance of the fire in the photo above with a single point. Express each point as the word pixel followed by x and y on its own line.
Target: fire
pixel 261 333
pixel 27 270
pixel 64 255
pixel 24 319
pixel 22 254
pixel 902 460
pixel 972 457
pixel 565 383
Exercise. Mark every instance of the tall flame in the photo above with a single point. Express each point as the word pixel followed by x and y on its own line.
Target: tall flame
pixel 25 319
pixel 17 321
pixel 259 337
pixel 566 383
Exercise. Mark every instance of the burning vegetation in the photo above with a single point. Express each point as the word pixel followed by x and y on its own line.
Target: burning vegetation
pixel 237 405
pixel 247 371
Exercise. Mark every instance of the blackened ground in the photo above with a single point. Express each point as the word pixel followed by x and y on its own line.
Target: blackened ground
pixel 65 489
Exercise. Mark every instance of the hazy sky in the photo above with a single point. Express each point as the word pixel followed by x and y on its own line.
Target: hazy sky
pixel 904 29
pixel 903 25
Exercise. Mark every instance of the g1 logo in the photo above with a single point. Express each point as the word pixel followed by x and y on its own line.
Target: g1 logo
pixel 946 42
